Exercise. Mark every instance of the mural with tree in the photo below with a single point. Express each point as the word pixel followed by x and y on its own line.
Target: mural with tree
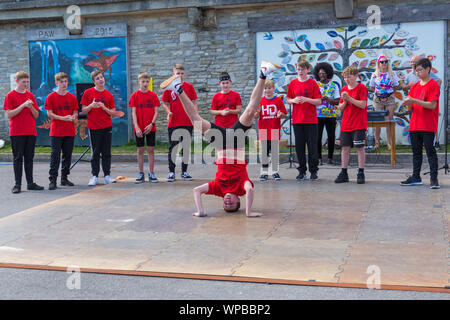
pixel 354 45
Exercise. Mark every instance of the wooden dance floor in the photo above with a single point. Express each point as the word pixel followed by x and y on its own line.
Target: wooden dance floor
pixel 313 233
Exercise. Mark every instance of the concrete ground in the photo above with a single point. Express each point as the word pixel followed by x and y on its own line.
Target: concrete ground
pixel 413 233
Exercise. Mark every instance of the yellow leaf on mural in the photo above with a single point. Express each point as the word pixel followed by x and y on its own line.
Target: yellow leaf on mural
pixel 398 52
pixel 360 54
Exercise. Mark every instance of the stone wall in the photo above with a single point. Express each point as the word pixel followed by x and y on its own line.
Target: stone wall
pixel 158 39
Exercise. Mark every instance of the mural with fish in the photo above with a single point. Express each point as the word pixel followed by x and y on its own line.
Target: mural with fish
pixel 360 47
pixel 78 58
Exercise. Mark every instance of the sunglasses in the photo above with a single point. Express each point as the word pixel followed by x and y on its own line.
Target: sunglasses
pixel 384 61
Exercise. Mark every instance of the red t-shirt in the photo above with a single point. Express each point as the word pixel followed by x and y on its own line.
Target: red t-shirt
pixel 304 112
pixel 97 117
pixel 23 123
pixel 179 116
pixel 423 119
pixel 62 105
pixel 221 101
pixel 354 118
pixel 269 125
pixel 145 104
pixel 230 178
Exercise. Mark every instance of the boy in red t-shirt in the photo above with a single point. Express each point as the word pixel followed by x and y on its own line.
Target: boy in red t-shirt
pixel 144 111
pixel 99 105
pixel 353 104
pixel 62 108
pixel 423 102
pixel 22 110
pixel 304 95
pixel 226 104
pixel 271 111
pixel 231 178
pixel 179 124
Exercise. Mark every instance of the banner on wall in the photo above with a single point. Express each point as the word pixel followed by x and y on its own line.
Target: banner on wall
pixel 358 46
pixel 99 48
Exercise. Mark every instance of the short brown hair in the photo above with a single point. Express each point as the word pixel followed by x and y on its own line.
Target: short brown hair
pixel 178 66
pixel 303 64
pixel 350 71
pixel 143 75
pixel 22 75
pixel 96 73
pixel 61 75
pixel 269 84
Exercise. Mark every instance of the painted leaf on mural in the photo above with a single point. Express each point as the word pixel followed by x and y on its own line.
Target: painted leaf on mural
pixel 332 34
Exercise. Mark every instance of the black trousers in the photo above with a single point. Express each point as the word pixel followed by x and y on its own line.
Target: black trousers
pixel 174 144
pixel 64 144
pixel 418 140
pixel 266 148
pixel 101 146
pixel 23 154
pixel 306 135
pixel 330 125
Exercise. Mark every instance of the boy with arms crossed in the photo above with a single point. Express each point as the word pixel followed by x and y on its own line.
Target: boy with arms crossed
pixel 232 179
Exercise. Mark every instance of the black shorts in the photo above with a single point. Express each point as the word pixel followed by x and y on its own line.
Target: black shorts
pixel 355 138
pixel 223 131
pixel 150 137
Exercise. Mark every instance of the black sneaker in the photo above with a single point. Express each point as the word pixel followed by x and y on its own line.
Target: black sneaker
pixel 276 176
pixel 140 178
pixel 171 177
pixel 186 176
pixel 52 185
pixel 360 178
pixel 263 177
pixel 412 182
pixel 34 186
pixel 16 189
pixel 66 182
pixel 330 161
pixel 342 177
pixel 313 176
pixel 434 184
pixel 301 177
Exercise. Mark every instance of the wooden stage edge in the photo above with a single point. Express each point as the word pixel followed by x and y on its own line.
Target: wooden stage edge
pixel 228 278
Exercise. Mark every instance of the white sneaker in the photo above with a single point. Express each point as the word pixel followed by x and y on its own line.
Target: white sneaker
pixel 93 181
pixel 173 83
pixel 109 180
pixel 268 67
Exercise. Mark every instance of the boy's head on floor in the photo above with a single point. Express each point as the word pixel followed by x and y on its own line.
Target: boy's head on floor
pixel 231 202
pixel 225 82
